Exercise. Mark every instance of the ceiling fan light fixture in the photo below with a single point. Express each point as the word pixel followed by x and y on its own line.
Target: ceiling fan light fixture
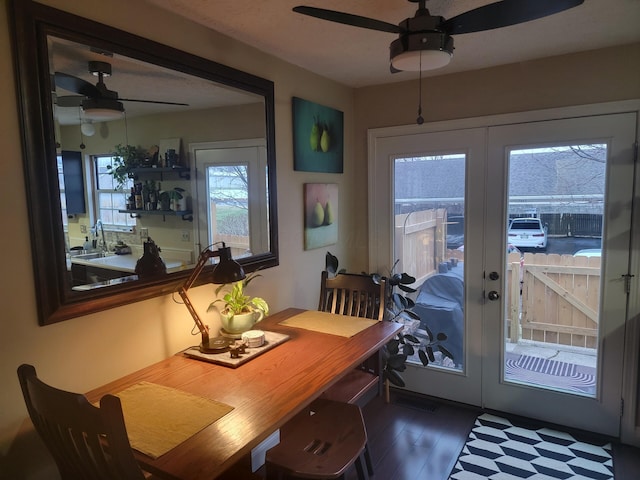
pixel 421 51
pixel 102 109
pixel 88 129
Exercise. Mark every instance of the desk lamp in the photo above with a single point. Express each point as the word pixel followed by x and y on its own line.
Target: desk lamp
pixel 227 271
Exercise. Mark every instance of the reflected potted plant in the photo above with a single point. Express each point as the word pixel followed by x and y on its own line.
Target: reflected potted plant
pixel 240 312
pixel 125 158
pixel 164 197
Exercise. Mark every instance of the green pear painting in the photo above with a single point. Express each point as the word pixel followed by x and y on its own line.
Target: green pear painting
pixel 320 215
pixel 318 137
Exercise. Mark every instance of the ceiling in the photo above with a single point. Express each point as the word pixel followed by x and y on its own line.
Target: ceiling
pixel 358 57
pixel 137 80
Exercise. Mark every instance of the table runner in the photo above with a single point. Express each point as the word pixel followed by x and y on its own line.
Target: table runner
pixel 323 322
pixel 159 418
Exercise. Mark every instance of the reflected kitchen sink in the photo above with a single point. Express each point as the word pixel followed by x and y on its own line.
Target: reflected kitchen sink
pixel 91 256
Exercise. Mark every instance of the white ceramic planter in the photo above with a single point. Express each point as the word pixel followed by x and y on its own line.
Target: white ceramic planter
pixel 240 323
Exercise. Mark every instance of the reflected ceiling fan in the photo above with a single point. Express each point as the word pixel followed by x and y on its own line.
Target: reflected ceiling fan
pixel 425 42
pixel 97 101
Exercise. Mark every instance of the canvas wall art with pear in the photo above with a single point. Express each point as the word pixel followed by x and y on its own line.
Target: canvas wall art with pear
pixel 320 215
pixel 318 137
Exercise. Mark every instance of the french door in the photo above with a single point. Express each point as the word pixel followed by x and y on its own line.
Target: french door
pixel 522 306
pixel 230 176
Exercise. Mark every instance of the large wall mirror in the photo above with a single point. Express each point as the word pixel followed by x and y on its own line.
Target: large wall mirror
pixel 127 140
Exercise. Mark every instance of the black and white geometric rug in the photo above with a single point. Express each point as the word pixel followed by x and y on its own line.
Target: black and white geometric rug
pixel 499 450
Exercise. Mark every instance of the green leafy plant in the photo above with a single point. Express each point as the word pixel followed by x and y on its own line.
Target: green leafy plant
pixel 236 302
pixel 125 157
pixel 399 308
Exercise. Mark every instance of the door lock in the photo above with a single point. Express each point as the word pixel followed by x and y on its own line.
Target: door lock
pixel 493 295
pixel 494 276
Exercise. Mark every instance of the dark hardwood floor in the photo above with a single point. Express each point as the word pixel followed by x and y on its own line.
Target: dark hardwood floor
pixel 419 438
pixel 415 438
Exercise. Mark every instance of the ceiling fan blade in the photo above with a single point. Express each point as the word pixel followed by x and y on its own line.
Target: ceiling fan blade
pixel 505 13
pixel 152 101
pixel 75 84
pixel 349 19
pixel 70 100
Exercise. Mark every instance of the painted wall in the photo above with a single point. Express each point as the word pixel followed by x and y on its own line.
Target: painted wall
pixel 83 353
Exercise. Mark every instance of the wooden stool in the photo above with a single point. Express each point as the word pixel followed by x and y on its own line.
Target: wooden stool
pixel 321 442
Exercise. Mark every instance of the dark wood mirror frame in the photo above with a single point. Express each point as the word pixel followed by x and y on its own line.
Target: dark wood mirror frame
pixel 32 22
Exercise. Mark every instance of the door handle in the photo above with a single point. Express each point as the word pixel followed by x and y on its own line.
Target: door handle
pixel 493 295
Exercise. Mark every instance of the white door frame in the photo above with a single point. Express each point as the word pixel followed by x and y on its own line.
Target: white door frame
pixel 380 254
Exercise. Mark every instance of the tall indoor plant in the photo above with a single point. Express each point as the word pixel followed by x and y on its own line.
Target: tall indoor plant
pixel 399 308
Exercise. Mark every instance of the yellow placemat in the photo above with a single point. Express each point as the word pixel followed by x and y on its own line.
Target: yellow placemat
pixel 330 323
pixel 159 418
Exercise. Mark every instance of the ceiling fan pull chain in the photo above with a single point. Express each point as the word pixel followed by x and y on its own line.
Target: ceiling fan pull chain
pixel 82 145
pixel 126 130
pixel 420 120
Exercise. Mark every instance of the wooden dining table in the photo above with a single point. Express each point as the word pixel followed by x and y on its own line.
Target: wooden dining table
pixel 264 392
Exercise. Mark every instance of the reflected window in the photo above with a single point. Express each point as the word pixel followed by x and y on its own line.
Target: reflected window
pixel 228 206
pixel 63 195
pixel 231 183
pixel 107 198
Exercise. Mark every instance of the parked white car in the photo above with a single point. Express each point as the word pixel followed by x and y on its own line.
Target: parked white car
pixel 527 233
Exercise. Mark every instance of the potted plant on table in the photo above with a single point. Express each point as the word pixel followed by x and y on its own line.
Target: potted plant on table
pixel 399 308
pixel 240 312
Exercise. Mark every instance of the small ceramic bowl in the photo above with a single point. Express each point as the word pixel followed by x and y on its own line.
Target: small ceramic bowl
pixel 253 338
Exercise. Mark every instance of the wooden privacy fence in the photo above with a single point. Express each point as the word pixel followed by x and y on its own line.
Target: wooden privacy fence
pixel 559 301
pixel 420 242
pixel 560 295
pixel 239 244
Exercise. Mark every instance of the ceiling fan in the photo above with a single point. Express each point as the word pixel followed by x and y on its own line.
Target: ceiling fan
pixel 97 101
pixel 425 41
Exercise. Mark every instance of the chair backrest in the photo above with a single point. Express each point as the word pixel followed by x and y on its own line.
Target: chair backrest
pixel 352 294
pixel 86 442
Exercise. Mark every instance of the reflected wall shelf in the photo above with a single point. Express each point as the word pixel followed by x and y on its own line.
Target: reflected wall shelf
pixel 183 172
pixel 185 214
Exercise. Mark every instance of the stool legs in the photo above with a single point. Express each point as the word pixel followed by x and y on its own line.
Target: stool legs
pixel 322 442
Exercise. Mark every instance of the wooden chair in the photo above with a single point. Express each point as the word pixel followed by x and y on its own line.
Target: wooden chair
pixel 86 442
pixel 321 442
pixel 352 294
pixel 359 296
pixel 329 437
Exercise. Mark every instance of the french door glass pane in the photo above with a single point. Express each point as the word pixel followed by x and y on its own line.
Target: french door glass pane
pixel 228 206
pixel 554 235
pixel 429 237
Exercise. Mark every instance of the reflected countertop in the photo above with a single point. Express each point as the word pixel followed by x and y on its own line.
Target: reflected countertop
pixel 121 263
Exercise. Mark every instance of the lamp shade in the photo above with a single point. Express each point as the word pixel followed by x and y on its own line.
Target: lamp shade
pixel 421 51
pixel 102 109
pixel 421 60
pixel 227 270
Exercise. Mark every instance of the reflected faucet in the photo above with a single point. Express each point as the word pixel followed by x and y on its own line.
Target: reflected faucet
pixel 104 241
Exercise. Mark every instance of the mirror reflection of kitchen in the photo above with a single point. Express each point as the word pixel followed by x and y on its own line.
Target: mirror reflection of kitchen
pixel 123 134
